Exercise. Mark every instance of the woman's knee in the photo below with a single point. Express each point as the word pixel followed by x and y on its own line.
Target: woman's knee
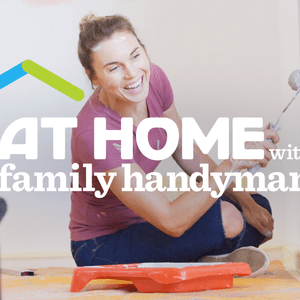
pixel 233 221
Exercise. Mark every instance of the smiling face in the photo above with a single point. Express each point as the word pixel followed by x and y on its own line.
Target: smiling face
pixel 122 68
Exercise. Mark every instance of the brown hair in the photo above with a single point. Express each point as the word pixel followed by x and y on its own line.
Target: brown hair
pixel 94 30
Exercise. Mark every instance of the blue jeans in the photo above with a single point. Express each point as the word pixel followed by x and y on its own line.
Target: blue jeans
pixel 252 236
pixel 145 243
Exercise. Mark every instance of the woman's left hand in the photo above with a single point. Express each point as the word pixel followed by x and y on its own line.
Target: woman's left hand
pixel 260 219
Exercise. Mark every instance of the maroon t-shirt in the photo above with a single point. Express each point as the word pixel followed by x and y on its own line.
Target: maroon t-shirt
pixel 90 216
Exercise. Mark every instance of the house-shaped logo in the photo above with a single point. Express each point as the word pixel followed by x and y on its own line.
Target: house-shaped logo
pixel 37 71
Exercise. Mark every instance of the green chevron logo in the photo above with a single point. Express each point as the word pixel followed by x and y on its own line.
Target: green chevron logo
pixel 37 71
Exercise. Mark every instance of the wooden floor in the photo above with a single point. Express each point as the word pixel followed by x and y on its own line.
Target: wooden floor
pixel 54 284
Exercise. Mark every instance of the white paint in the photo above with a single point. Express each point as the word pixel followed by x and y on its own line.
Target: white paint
pixel 177 265
pixel 99 46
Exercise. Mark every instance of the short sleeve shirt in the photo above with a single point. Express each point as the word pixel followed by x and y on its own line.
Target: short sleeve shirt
pixel 91 217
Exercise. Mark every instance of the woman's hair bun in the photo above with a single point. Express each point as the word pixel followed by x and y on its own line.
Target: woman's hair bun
pixel 88 18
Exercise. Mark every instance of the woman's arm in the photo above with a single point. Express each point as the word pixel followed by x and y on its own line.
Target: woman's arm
pixel 173 218
pixel 254 214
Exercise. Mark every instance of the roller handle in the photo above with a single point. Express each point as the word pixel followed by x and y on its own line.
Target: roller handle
pixel 257 167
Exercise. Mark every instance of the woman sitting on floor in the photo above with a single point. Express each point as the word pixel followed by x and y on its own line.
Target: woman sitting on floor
pixel 134 227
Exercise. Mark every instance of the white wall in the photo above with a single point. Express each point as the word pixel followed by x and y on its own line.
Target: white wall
pixel 290 59
pixel 224 59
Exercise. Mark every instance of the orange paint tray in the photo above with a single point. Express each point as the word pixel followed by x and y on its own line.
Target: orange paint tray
pixel 164 277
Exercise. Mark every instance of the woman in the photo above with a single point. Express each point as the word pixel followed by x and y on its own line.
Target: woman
pixel 133 227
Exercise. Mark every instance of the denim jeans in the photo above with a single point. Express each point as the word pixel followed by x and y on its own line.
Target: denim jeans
pixel 252 236
pixel 145 243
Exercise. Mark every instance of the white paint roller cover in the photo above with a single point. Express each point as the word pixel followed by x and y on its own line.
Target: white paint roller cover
pixel 294 80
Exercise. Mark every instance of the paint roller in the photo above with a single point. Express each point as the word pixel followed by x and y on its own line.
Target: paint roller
pixel 294 82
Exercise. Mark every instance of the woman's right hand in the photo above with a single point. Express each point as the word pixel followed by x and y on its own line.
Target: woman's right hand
pixel 271 139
